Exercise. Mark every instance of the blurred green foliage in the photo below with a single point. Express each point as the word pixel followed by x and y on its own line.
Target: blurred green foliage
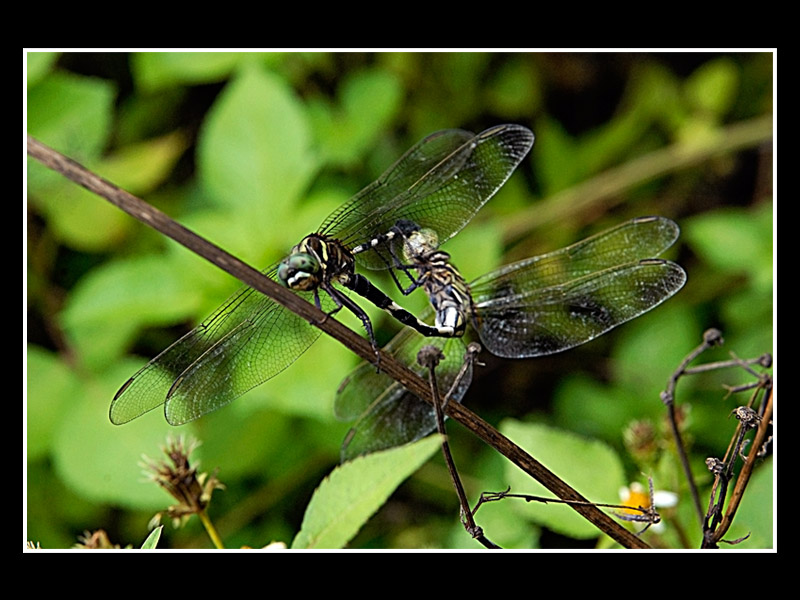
pixel 253 151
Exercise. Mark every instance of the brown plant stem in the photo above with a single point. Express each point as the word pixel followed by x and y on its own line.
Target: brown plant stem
pixel 159 221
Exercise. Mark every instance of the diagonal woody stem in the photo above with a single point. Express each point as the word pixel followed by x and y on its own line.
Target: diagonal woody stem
pixel 156 219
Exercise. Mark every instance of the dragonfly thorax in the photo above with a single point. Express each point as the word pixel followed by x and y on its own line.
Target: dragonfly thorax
pixel 312 261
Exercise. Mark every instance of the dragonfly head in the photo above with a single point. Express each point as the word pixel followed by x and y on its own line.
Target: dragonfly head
pixel 419 243
pixel 299 271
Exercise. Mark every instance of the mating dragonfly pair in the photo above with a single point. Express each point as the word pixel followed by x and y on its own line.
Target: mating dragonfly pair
pixel 534 307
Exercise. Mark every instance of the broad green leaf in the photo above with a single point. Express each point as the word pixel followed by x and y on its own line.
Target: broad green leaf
pixel 584 405
pixel 83 220
pixel 713 87
pixel 351 494
pixel 649 348
pixel 515 89
pixel 38 65
pixel 71 114
pixel 368 101
pixel 555 166
pixel 140 167
pixel 51 386
pixel 265 444
pixel 735 241
pixel 155 70
pixel 589 466
pixel 646 352
pixel 254 152
pixel 100 461
pixel 111 302
pixel 613 143
pixel 655 94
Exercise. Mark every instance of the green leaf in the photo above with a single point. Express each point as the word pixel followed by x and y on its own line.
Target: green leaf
pixel 368 101
pixel 38 65
pixel 646 352
pixel 152 540
pixel 100 461
pixel 651 347
pixel 735 241
pixel 254 152
pixel 71 114
pixel 51 386
pixel 352 493
pixel 140 167
pixel 82 220
pixel 584 405
pixel 109 304
pixel 591 467
pixel 555 164
pixel 713 87
pixel 87 222
pixel 157 70
pixel 515 89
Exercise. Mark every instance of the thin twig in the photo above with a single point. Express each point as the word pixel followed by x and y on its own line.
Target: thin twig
pixel 716 523
pixel 711 337
pixel 211 530
pixel 647 514
pixel 429 357
pixel 746 472
pixel 399 372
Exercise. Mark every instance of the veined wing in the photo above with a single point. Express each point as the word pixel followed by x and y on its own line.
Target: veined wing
pixel 535 321
pixel 533 307
pixel 388 415
pixel 637 239
pixel 440 184
pixel 557 301
pixel 246 341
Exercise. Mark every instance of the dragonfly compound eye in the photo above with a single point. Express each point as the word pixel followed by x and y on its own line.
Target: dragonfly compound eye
pixel 299 271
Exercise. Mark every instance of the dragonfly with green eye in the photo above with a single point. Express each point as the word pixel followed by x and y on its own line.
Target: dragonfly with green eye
pixel 534 307
pixel 441 182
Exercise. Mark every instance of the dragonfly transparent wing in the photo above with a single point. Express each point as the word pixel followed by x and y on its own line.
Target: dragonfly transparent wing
pixel 387 415
pixel 559 300
pixel 246 341
pixel 441 183
pixel 250 338
pixel 533 307
pixel 549 320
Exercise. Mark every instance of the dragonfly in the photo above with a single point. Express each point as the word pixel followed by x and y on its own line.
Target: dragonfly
pixel 535 307
pixel 441 182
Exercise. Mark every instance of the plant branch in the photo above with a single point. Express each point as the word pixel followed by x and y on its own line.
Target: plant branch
pixel 429 357
pixel 716 523
pixel 154 218
pixel 711 337
pixel 608 186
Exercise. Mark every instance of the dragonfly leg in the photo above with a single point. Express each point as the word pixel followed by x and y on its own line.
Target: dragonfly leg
pixel 363 287
pixel 342 300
